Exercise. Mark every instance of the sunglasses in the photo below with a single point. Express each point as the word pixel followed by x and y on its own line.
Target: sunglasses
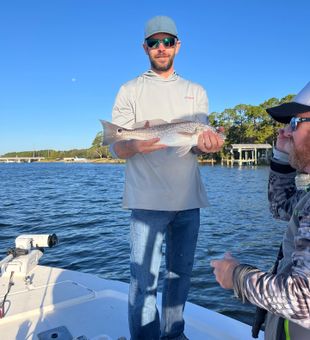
pixel 167 42
pixel 296 120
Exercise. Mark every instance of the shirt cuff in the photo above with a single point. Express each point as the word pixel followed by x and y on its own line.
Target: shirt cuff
pixel 240 274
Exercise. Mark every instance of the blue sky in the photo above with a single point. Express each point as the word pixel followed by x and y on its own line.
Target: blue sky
pixel 63 61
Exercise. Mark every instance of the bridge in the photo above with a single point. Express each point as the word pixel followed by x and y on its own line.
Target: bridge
pixel 20 159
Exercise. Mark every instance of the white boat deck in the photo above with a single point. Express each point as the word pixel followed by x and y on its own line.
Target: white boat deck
pixel 61 304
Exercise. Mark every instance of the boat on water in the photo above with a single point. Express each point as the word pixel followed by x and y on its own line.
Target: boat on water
pixel 45 303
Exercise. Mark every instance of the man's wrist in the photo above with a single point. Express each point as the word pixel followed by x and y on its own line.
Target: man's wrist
pixel 131 146
pixel 125 149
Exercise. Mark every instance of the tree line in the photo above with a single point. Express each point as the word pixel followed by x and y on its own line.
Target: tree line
pixel 248 124
pixel 243 124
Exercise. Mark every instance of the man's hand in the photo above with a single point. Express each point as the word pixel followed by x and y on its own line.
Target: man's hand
pixel 209 142
pixel 127 149
pixel 146 146
pixel 223 270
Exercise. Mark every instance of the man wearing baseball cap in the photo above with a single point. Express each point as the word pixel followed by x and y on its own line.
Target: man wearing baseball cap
pixel 285 292
pixel 163 191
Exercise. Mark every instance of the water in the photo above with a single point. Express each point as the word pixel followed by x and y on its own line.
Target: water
pixel 81 203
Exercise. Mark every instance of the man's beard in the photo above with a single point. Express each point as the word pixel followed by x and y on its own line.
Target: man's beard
pixel 159 67
pixel 300 158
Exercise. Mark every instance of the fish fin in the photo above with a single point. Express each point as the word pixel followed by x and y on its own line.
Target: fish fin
pixel 110 132
pixel 141 125
pixel 222 135
pixel 156 122
pixel 183 120
pixel 148 123
pixel 184 133
pixel 183 150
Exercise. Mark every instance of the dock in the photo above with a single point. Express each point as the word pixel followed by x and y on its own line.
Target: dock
pixel 20 159
pixel 248 154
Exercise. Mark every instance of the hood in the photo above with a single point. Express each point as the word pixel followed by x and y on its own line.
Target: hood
pixel 151 74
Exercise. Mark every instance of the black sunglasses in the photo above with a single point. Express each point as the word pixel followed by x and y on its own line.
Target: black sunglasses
pixel 296 120
pixel 167 42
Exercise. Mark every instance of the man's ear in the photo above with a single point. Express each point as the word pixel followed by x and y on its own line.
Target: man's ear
pixel 145 49
pixel 178 46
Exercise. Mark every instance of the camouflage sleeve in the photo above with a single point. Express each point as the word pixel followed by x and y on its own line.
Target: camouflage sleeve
pixel 282 192
pixel 285 294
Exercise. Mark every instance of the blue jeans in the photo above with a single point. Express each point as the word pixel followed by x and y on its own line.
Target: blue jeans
pixel 147 233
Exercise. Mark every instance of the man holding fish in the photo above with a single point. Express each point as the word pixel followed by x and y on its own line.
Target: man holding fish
pixel 159 126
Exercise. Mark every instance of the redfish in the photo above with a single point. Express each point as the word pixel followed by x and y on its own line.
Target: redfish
pixel 181 134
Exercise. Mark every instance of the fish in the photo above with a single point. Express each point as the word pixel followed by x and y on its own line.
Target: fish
pixel 182 134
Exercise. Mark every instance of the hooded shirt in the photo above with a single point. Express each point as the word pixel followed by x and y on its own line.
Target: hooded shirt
pixel 161 180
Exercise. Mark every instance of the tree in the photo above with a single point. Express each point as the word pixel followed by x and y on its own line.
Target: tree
pixel 249 124
pixel 98 149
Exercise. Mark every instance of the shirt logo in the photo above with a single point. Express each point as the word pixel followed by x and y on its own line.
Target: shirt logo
pixel 189 97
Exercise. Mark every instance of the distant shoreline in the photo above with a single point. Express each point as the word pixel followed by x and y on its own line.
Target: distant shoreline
pixel 212 162
pixel 93 161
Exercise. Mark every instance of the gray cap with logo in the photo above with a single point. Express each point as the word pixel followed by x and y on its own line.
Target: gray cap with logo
pixel 160 24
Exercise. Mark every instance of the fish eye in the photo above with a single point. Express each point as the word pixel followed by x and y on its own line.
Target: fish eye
pixel 119 130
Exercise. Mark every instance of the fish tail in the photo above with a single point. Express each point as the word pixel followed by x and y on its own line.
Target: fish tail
pixel 110 133
pixel 220 133
pixel 222 136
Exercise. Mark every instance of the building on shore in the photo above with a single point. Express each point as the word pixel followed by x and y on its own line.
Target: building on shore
pixel 248 154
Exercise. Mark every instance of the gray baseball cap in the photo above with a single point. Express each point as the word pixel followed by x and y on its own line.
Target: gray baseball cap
pixel 160 24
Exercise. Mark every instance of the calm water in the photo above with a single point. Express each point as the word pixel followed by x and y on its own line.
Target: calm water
pixel 81 203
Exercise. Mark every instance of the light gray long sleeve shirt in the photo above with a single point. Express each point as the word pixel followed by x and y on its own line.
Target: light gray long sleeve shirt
pixel 161 180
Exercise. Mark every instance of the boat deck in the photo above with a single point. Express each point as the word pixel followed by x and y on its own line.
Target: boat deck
pixel 62 304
